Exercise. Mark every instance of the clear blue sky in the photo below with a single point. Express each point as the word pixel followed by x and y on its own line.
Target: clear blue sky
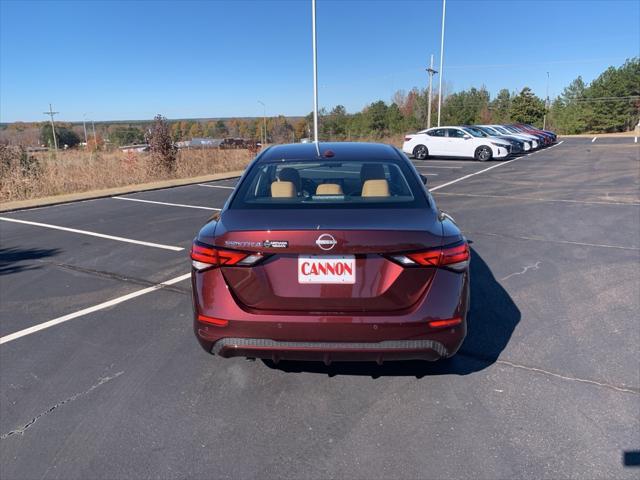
pixel 131 60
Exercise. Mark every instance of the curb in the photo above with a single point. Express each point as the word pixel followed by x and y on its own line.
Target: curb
pixel 110 192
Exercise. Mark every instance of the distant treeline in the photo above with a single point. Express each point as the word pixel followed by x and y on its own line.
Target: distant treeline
pixel 610 103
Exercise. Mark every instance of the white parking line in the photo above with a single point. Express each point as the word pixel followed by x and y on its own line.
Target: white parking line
pixel 93 234
pixel 86 311
pixel 635 140
pixel 593 139
pixel 438 187
pixel 215 186
pixel 166 203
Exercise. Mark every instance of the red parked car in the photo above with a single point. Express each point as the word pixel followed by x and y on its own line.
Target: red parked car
pixel 336 256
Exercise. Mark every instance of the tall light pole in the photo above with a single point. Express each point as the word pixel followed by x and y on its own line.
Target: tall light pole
pixel 431 73
pixel 444 9
pixel 546 106
pixel 51 113
pixel 315 77
pixel 264 123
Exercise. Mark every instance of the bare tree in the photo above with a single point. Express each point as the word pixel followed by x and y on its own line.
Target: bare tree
pixel 163 151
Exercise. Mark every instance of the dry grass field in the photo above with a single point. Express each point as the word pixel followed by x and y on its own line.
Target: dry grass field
pixel 79 171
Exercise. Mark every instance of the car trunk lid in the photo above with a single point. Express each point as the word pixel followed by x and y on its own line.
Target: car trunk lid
pixel 357 244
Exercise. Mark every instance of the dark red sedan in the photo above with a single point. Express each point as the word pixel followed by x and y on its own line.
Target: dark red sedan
pixel 341 255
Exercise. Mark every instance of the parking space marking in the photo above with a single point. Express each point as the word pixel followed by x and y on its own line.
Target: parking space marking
pixel 438 187
pixel 215 186
pixel 94 234
pixel 539 199
pixel 593 139
pixel 198 207
pixel 86 311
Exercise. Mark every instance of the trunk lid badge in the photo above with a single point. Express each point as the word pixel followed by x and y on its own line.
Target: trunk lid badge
pixel 326 241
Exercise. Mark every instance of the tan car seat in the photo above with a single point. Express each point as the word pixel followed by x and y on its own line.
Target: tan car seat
pixel 283 190
pixel 375 188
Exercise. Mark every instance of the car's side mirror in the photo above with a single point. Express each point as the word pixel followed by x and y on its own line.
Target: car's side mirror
pixel 423 178
pixel 467 137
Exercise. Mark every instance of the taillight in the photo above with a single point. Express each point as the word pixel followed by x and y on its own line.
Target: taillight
pixel 454 257
pixel 205 256
pixel 406 139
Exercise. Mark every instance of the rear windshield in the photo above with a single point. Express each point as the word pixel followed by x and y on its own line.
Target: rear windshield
pixel 330 184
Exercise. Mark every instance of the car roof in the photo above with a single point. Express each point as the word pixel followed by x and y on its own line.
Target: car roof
pixel 340 150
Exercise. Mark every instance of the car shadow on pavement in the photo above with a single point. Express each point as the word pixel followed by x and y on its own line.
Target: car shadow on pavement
pixel 492 319
pixel 14 260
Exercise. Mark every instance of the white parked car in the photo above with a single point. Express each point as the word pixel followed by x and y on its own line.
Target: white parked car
pixel 453 142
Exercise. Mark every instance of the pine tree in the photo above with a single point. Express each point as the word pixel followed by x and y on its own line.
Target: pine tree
pixel 527 108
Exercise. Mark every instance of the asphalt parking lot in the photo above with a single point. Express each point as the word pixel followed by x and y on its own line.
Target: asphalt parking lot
pixel 547 384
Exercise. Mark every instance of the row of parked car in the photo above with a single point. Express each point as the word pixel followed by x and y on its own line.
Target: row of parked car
pixel 481 142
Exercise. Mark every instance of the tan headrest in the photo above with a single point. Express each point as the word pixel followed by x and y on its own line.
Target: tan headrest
pixel 329 189
pixel 375 188
pixel 283 190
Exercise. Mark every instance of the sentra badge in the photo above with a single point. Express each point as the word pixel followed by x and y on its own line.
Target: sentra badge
pixel 234 243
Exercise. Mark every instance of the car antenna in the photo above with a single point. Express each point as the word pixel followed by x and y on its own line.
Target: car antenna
pixel 315 77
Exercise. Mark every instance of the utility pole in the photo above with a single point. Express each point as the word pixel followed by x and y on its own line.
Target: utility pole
pixel 51 113
pixel 264 123
pixel 546 106
pixel 444 9
pixel 315 77
pixel 84 127
pixel 431 73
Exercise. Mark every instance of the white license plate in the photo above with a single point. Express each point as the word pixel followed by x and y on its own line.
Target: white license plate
pixel 327 269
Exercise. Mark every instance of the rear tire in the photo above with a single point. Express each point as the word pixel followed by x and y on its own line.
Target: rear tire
pixel 483 153
pixel 421 152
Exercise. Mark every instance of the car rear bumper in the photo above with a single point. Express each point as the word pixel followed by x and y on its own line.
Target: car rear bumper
pixel 331 351
pixel 332 337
